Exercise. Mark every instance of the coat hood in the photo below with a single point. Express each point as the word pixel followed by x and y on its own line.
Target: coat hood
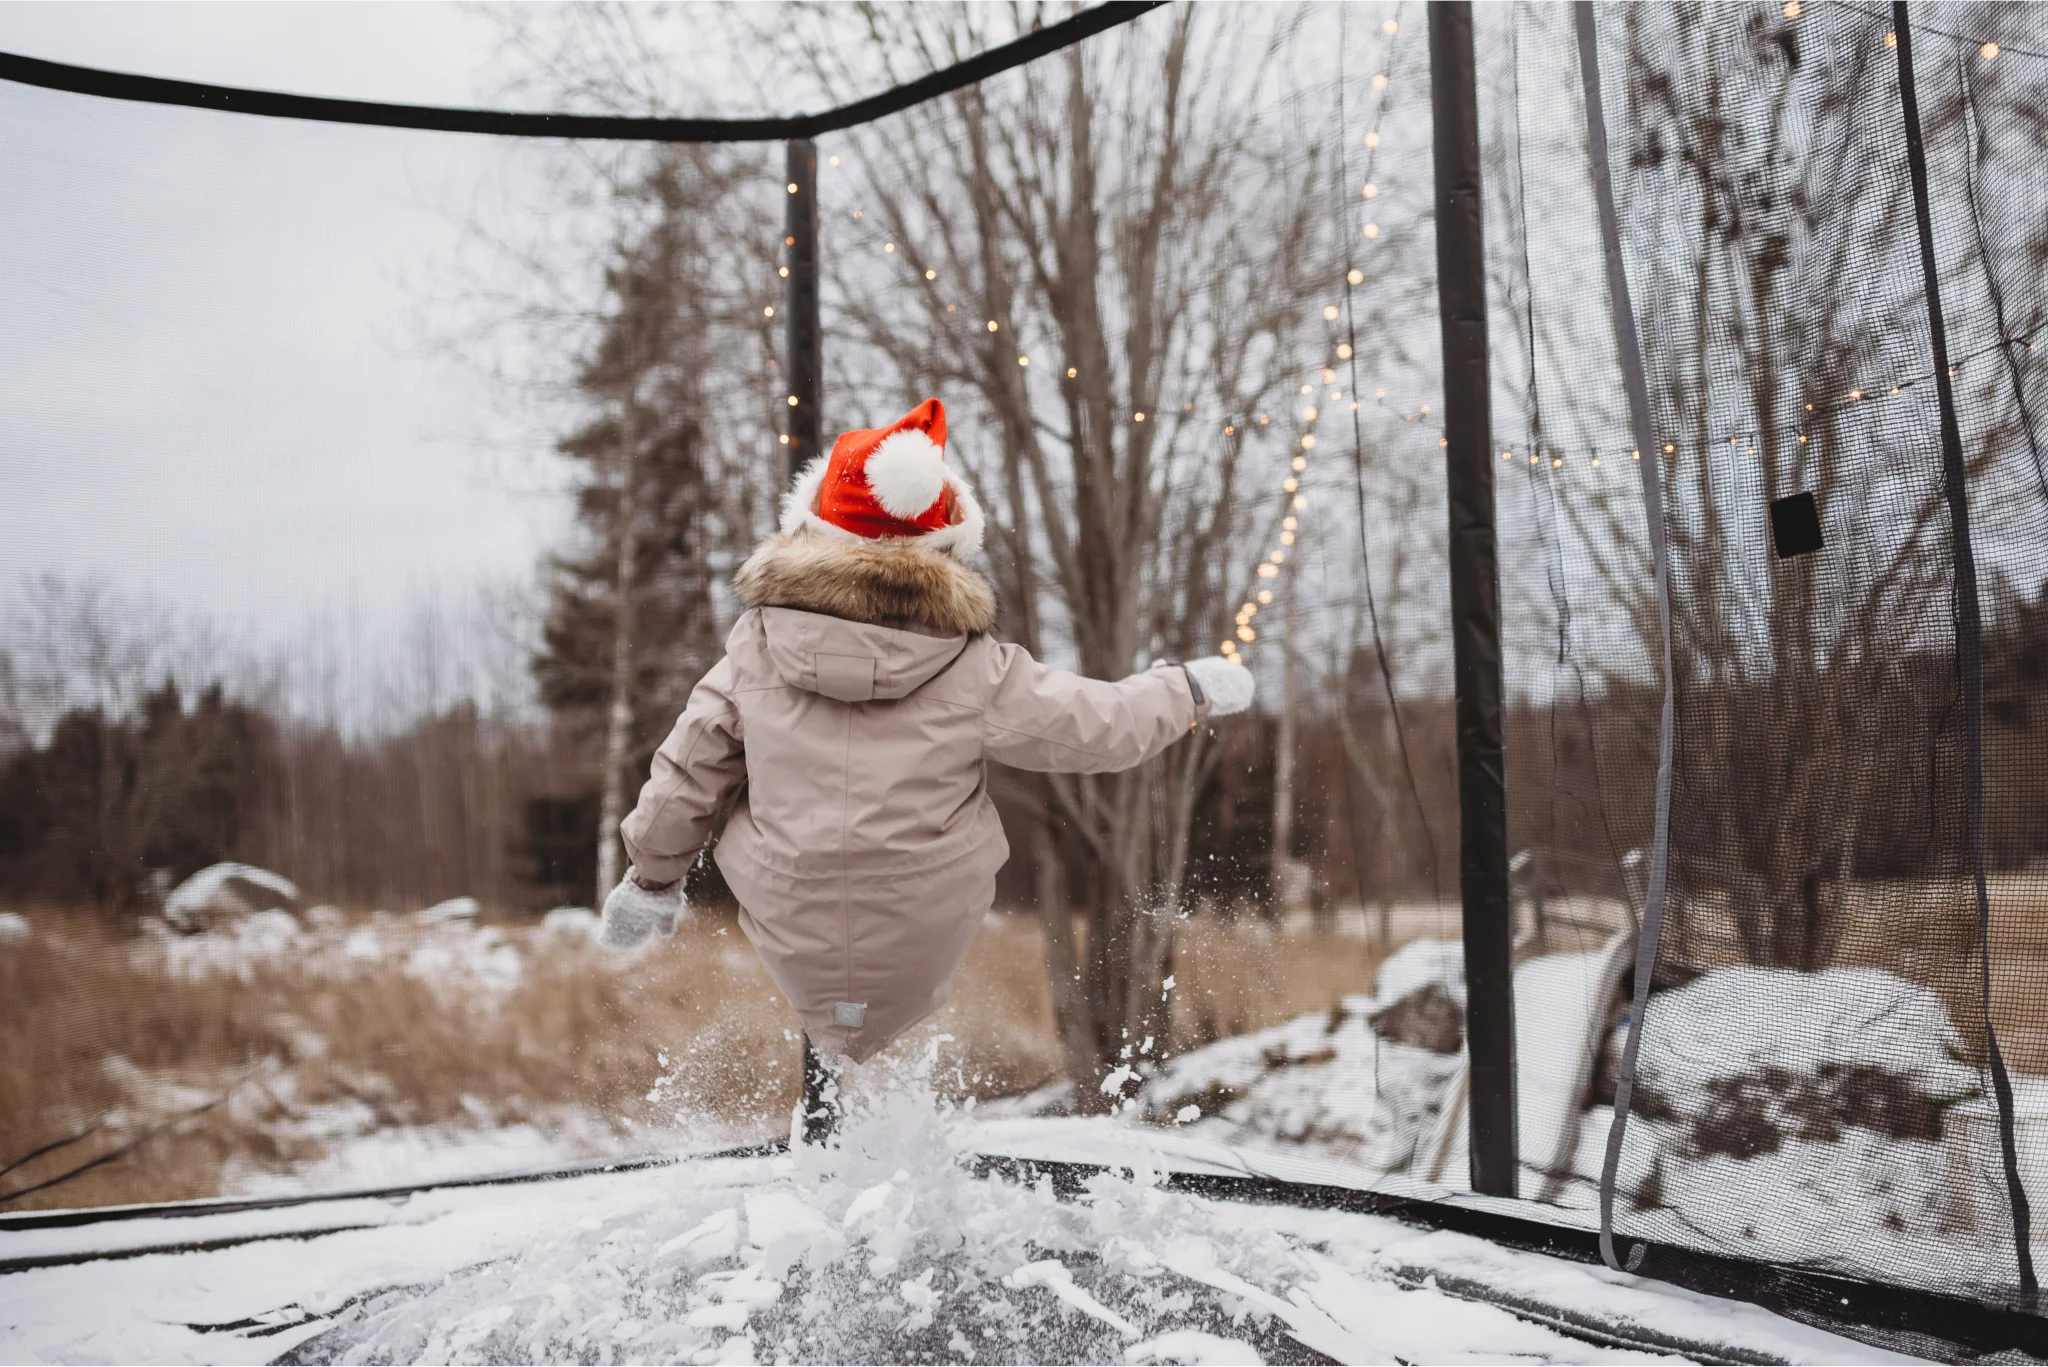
pixel 853 661
pixel 892 582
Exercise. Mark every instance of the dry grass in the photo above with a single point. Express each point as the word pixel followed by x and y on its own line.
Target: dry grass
pixel 297 1051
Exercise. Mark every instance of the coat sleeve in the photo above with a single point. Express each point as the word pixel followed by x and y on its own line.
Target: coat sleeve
pixel 696 771
pixel 1054 722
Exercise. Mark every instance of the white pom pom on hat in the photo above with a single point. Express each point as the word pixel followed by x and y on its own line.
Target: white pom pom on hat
pixel 907 473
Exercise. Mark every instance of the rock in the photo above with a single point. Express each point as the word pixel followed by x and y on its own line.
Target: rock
pixel 1428 1018
pixel 454 909
pixel 222 894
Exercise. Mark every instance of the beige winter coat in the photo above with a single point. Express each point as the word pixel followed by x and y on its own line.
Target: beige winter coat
pixel 844 740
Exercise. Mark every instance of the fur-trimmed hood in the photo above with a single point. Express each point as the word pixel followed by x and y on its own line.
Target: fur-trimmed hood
pixel 897 582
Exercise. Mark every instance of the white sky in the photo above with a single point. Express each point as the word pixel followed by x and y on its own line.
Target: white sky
pixel 219 390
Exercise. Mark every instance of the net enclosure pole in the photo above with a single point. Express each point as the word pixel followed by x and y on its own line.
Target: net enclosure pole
pixel 803 342
pixel 1475 604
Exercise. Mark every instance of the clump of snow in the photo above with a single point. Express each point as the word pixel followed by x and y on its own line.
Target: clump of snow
pixel 14 928
pixel 454 909
pixel 572 923
pixel 1417 965
pixel 226 892
pixel 237 947
pixel 482 962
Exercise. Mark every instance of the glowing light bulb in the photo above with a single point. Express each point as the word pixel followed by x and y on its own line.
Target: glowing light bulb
pixel 1268 571
pixel 1507 455
pixel 783 271
pixel 931 275
pixel 1371 191
pixel 1023 360
pixel 1265 595
pixel 1379 393
pixel 792 187
pixel 1290 484
pixel 992 325
pixel 1308 414
pixel 1278 557
pixel 1229 431
pixel 784 439
pixel 768 312
pixel 1557 462
pixel 1891 40
pixel 1355 276
pixel 1372 230
pixel 1308 389
pixel 1072 373
pixel 1596 461
pixel 1328 375
pixel 1300 502
pixel 1287 538
pixel 835 161
pixel 1343 351
pixel 1329 313
pixel 1300 464
pixel 1390 28
pixel 792 401
pixel 888 246
pixel 1139 417
pixel 1989 52
pixel 1289 524
pixel 1247 635
pixel 1308 442
pixel 1379 81
pixel 1791 9
pixel 1372 140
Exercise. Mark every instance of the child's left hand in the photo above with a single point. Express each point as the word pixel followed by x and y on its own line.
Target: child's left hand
pixel 633 913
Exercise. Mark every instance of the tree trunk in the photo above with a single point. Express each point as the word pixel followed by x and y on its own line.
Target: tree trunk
pixel 618 735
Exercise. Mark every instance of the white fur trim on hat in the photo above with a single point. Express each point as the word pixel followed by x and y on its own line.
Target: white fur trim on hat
pixel 907 473
pixel 961 540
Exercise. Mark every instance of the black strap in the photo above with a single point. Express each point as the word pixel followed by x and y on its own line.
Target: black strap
pixel 1648 456
pixel 121 85
pixel 1969 639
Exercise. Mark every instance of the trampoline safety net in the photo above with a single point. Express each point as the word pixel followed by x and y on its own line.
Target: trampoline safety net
pixel 375 495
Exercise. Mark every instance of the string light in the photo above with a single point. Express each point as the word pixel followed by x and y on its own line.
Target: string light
pixel 1329 313
pixel 1791 9
pixel 1308 442
pixel 1891 40
pixel 991 325
pixel 1390 28
pixel 768 312
pixel 1023 360
pixel 1287 538
pixel 1290 484
pixel 1300 464
pixel 1229 431
pixel 1308 389
pixel 1372 140
pixel 1268 571
pixel 1989 52
pixel 1072 373
pixel 1265 595
pixel 1372 230
pixel 931 275
pixel 792 187
pixel 835 161
pixel 1308 414
pixel 889 246
pixel 783 271
pixel 1355 276
pixel 1247 635
pixel 784 439
pixel 1289 524
pixel 1300 501
pixel 792 401
pixel 1139 417
pixel 1379 81
pixel 1371 191
pixel 789 241
pixel 1343 351
pixel 1278 557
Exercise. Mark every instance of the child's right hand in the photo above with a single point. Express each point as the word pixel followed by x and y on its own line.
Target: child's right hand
pixel 633 913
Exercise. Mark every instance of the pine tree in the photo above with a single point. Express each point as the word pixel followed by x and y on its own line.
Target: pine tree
pixel 633 613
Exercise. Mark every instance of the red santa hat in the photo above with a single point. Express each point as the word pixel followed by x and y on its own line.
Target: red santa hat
pixel 889 482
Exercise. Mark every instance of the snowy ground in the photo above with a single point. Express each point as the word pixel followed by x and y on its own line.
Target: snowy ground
pixel 884 1249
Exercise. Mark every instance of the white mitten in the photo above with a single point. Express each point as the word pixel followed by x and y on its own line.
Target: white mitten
pixel 1227 684
pixel 632 913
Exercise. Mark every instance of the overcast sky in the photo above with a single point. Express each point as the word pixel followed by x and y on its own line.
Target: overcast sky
pixel 220 390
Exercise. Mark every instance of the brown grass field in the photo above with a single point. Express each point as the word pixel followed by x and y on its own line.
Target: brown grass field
pixel 257 1066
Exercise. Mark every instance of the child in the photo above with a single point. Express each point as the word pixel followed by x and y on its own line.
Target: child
pixel 844 740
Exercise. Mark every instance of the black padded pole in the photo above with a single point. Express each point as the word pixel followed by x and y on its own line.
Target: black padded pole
pixel 1475 603
pixel 803 349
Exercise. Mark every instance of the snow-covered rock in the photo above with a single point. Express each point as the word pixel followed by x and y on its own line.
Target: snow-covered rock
pixel 223 893
pixel 454 909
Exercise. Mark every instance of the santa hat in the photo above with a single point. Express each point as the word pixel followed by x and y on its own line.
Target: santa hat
pixel 889 482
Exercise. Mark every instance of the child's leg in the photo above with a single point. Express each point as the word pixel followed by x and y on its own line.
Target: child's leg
pixel 818 1113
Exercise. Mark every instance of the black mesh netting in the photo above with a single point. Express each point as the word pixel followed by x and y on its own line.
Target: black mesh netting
pixel 332 440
